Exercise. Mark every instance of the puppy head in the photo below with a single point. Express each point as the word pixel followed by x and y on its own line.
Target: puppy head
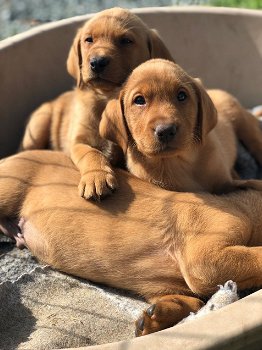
pixel 109 46
pixel 161 111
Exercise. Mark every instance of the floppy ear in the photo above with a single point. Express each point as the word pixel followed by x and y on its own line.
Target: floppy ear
pixel 157 48
pixel 112 126
pixel 74 60
pixel 206 113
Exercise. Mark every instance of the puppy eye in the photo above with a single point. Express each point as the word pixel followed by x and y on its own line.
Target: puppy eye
pixel 139 100
pixel 125 41
pixel 89 39
pixel 181 96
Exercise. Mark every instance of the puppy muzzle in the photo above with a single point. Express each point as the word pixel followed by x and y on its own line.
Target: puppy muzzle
pixel 165 133
pixel 99 63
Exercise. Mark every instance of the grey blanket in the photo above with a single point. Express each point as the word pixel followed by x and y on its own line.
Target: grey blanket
pixel 46 309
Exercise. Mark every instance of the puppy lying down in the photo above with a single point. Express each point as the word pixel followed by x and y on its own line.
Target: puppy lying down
pixel 171 248
pixel 177 135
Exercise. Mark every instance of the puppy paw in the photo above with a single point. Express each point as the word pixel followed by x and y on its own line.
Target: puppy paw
pixel 166 312
pixel 155 318
pixel 97 184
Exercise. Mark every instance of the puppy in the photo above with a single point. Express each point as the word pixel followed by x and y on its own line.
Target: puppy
pixel 172 134
pixel 169 247
pixel 104 52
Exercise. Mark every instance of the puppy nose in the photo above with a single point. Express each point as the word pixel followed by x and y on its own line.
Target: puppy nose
pixel 165 133
pixel 99 63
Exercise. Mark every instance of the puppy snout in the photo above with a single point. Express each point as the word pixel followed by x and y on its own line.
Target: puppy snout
pixel 165 133
pixel 99 63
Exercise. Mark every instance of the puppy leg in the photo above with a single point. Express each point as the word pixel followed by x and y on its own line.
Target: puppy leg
pixel 97 177
pixel 165 312
pixel 37 132
pixel 245 124
pixel 249 132
pixel 235 185
pixel 214 265
pixel 16 173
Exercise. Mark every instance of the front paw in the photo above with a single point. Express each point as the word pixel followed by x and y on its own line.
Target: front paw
pixel 96 184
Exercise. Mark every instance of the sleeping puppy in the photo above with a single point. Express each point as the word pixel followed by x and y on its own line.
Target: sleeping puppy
pixel 172 134
pixel 104 52
pixel 170 247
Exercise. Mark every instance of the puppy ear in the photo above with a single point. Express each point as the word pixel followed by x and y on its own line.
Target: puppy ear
pixel 206 114
pixel 112 126
pixel 157 47
pixel 74 60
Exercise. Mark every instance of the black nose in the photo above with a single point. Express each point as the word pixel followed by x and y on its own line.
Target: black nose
pixel 165 133
pixel 99 63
